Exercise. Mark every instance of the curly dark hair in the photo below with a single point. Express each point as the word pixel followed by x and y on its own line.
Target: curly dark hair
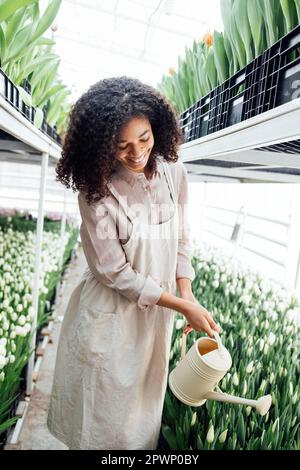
pixel 89 147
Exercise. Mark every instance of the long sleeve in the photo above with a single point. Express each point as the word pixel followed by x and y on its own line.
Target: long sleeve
pixel 184 265
pixel 107 259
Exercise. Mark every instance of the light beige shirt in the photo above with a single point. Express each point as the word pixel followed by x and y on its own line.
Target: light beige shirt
pixel 105 227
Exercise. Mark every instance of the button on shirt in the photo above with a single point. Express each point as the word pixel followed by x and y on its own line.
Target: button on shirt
pixel 105 227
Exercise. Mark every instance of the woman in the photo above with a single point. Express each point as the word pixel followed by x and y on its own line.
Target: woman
pixel 120 153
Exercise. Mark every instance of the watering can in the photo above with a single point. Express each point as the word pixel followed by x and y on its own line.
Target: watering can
pixel 196 376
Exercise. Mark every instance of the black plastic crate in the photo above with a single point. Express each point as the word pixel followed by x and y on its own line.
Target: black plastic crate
pixel 275 76
pixel 25 110
pixel 186 123
pixel 32 114
pixel 253 87
pixel 11 94
pixel 227 102
pixel 289 68
pixel 2 83
pixel 26 85
pixel 271 79
pixel 215 115
pixel 194 121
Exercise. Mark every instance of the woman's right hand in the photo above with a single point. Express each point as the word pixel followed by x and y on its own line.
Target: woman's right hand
pixel 199 318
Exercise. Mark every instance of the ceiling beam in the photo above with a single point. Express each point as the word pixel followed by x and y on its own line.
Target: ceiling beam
pixel 130 18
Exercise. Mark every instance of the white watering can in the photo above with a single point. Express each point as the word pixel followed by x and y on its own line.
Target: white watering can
pixel 200 370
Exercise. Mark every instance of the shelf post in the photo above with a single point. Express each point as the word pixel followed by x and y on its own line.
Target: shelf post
pixel 37 270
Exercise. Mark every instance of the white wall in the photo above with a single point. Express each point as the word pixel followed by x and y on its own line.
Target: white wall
pixel 274 201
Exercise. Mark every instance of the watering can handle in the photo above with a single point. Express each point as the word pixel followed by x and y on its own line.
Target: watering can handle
pixel 184 336
pixel 218 339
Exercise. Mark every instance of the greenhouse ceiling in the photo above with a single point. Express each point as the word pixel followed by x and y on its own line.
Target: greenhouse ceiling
pixel 143 39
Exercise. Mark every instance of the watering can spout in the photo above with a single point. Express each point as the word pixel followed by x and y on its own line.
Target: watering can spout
pixel 262 405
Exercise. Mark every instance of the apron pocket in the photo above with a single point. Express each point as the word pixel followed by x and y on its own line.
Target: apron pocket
pixel 93 336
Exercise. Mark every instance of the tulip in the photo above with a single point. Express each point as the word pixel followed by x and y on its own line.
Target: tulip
pixel 208 39
pixel 210 435
pixel 235 379
pixel 249 367
pixel 193 420
pixel 222 437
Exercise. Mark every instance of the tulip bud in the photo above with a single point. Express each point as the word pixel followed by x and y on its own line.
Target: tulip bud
pixel 210 435
pixel 222 437
pixel 235 379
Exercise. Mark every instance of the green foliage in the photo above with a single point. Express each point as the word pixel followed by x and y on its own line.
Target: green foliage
pixel 259 328
pixel 250 27
pixel 17 255
pixel 26 54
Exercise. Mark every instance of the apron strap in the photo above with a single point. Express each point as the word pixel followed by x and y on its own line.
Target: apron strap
pixel 170 181
pixel 128 211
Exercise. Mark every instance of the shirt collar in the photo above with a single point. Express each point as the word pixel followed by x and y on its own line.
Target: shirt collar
pixel 132 177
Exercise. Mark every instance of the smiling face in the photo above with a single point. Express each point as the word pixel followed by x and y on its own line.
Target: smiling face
pixel 135 143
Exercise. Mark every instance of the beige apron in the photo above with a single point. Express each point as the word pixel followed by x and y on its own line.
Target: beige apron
pixel 112 360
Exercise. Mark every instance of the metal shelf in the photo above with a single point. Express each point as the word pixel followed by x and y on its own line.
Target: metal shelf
pixel 242 152
pixel 21 141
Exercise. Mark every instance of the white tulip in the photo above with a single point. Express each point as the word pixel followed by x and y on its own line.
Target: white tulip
pixel 3 342
pixel 271 338
pixel 14 316
pixel 223 435
pixel 31 311
pixel 19 308
pixel 2 361
pixel 235 379
pixel 27 327
pixel 179 324
pixel 193 420
pixel 210 435
pixel 249 367
pixel 266 305
pixel 22 320
pixel 263 384
pixel 246 299
pixel 2 376
pixel 20 331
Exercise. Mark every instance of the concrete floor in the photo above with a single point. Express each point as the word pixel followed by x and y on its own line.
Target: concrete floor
pixel 34 434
